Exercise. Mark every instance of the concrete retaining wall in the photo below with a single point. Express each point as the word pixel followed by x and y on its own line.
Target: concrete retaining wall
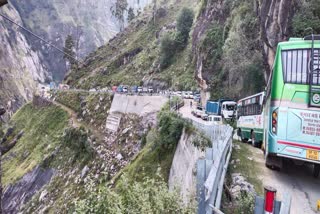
pixel 182 172
pixel 140 105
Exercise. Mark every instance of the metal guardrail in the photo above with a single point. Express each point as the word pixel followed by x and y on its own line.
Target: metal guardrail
pixel 211 171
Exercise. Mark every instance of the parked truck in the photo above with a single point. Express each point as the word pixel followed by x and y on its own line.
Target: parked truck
pixel 223 107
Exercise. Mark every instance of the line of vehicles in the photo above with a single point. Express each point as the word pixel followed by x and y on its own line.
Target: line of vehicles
pixel 285 118
pixel 216 110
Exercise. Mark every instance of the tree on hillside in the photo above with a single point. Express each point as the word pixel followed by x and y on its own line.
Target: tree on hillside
pixel 131 14
pixel 184 24
pixel 118 11
pixel 69 50
pixel 307 19
pixel 167 51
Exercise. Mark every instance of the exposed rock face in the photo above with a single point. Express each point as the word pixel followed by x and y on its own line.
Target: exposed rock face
pixel 20 66
pixel 258 34
pixel 212 11
pixel 30 184
pixel 275 20
pixel 25 61
pixel 90 23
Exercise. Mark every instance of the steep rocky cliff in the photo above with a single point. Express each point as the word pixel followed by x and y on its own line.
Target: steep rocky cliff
pixel 25 60
pixel 20 66
pixel 90 23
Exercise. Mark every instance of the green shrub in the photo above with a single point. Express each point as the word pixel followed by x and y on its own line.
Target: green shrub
pixel 77 140
pixel 201 141
pixel 304 20
pixel 170 129
pixel 184 24
pixel 167 51
pixel 148 196
pixel 170 45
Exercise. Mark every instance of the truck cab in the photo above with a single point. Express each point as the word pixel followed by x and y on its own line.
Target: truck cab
pixel 228 109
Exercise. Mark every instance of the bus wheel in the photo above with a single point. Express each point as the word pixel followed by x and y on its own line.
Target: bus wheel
pixel 273 162
pixel 316 170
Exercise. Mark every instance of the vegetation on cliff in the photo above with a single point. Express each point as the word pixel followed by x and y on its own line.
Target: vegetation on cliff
pixel 42 130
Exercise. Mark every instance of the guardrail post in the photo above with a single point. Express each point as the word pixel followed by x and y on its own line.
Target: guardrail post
pixel 269 201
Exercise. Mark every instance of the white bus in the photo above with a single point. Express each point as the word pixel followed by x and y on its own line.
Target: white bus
pixel 250 119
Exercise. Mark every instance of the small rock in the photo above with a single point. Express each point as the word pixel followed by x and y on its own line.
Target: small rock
pixel 84 171
pixel 250 158
pixel 125 131
pixel 119 156
pixel 43 195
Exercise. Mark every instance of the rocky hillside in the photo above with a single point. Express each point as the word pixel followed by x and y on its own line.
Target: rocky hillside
pixel 231 44
pixel 20 65
pixel 58 160
pixel 25 61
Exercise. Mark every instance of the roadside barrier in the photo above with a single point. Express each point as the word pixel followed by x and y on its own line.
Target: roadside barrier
pixel 212 169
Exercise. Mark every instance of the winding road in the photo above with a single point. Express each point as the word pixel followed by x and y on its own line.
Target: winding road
pixel 293 179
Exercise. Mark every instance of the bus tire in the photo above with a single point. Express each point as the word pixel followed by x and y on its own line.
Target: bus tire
pixel 316 170
pixel 273 162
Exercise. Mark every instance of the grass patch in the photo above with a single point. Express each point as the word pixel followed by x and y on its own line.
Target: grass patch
pixel 248 168
pixel 71 99
pixel 150 162
pixel 42 130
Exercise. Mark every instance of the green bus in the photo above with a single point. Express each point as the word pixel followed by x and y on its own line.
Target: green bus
pixel 292 104
pixel 250 119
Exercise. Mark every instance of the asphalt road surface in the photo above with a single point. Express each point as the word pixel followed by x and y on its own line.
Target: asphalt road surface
pixel 293 179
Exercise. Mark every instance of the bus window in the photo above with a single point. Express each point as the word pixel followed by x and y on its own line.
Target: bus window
pixel 295 65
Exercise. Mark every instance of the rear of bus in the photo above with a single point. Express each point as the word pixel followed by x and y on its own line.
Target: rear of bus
pixel 293 104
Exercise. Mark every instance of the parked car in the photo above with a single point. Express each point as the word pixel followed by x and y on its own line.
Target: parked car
pixel 145 90
pixel 198 111
pixel 114 88
pixel 134 89
pixel 190 95
pixel 204 115
pixel 140 89
pixel 125 89
pixel 120 89
pixel 185 95
pixel 150 89
pixel 197 98
pixel 178 93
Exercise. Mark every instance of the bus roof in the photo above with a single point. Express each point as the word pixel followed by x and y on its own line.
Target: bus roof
pixel 255 95
pixel 296 43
